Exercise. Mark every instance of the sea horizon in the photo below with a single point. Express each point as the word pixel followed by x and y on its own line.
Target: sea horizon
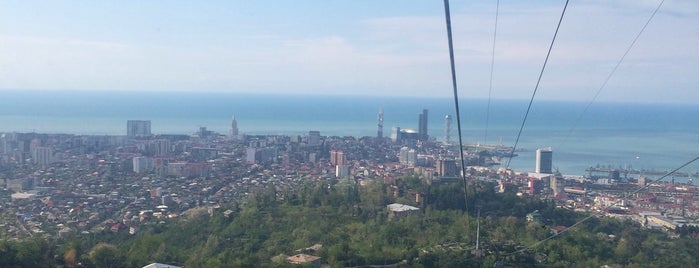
pixel 628 135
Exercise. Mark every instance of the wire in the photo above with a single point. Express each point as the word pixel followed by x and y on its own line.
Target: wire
pixel 538 81
pixel 492 66
pixel 604 84
pixel 604 208
pixel 608 78
pixel 456 98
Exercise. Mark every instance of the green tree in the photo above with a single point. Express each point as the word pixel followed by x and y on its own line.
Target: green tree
pixel 105 255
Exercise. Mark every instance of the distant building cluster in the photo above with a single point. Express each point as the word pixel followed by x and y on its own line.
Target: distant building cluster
pixel 89 183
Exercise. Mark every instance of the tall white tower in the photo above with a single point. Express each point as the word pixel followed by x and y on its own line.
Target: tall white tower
pixel 447 129
pixel 379 132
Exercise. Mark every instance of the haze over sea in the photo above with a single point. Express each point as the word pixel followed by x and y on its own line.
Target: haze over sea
pixel 657 137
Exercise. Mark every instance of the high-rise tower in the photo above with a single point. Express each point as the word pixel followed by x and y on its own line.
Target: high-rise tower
pixel 234 128
pixel 422 126
pixel 137 128
pixel 447 129
pixel 544 161
pixel 314 137
pixel 379 132
pixel 395 135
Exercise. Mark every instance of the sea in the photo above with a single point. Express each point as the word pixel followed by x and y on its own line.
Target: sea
pixel 642 136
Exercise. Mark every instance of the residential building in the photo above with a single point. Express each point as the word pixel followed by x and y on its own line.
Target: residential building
pixel 397 211
pixel 422 126
pixel 138 128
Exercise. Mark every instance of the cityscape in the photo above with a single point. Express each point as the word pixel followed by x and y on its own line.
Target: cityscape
pixel 349 134
pixel 58 185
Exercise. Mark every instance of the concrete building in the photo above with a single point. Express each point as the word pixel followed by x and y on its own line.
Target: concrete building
pixel 137 128
pixel 233 132
pixel 422 126
pixel 404 136
pixel 341 171
pixel 544 161
pixel 397 211
pixel 337 157
pixel 260 155
pixel 42 156
pixel 447 167
pixel 314 138
pixel 447 129
pixel 407 156
pixel 379 124
pixel 304 259
pixel 162 147
pixel 141 164
pixel 395 135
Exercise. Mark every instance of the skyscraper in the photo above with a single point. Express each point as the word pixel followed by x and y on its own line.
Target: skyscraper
pixel 544 161
pixel 234 128
pixel 162 147
pixel 314 137
pixel 141 164
pixel 42 156
pixel 446 167
pixel 337 157
pixel 395 135
pixel 447 129
pixel 379 132
pixel 422 126
pixel 137 128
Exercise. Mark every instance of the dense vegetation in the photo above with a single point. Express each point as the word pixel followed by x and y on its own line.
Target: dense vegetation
pixel 351 223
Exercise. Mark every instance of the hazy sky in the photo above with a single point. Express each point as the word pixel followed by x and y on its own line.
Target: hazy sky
pixel 376 47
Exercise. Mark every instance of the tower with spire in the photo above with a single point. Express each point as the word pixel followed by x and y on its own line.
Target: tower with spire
pixel 379 132
pixel 233 132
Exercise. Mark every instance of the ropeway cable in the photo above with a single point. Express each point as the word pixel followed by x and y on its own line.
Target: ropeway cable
pixel 456 97
pixel 604 208
pixel 538 81
pixel 604 84
pixel 492 66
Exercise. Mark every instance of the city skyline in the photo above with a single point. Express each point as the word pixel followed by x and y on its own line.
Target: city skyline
pixel 358 48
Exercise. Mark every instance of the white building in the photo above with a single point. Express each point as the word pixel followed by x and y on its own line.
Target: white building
pixel 141 164
pixel 397 211
pixel 341 171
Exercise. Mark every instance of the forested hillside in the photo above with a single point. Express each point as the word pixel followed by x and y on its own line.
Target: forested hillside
pixel 349 226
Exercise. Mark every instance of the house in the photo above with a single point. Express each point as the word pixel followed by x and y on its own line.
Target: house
pixel 117 227
pixel 304 259
pixel 558 229
pixel 397 211
pixel 534 216
pixel 160 265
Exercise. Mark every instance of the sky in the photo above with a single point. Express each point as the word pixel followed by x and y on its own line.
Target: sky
pixel 358 47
